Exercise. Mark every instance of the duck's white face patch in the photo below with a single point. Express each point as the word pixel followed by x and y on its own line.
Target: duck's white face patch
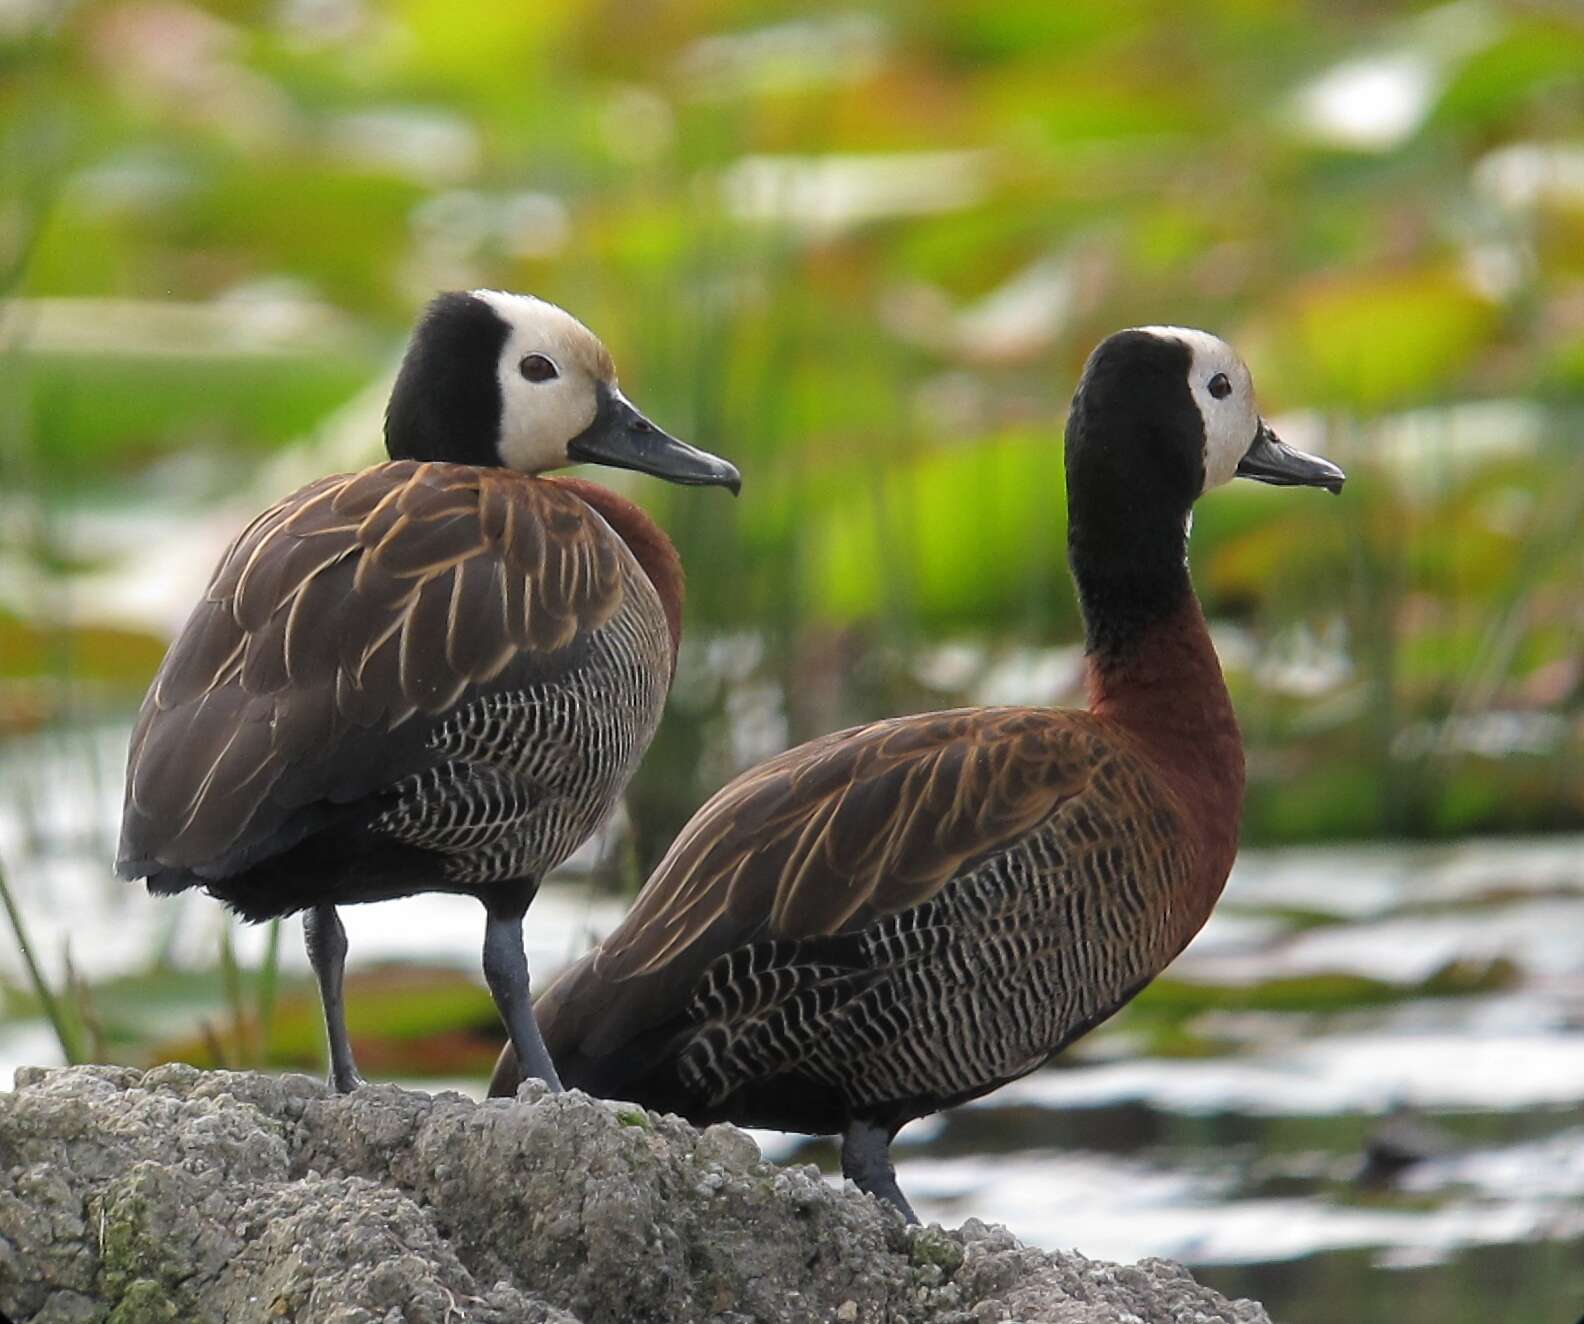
pixel 1224 392
pixel 539 418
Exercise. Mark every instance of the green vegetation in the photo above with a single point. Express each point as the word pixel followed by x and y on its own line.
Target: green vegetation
pixel 66 1025
pixel 1165 1019
pixel 863 252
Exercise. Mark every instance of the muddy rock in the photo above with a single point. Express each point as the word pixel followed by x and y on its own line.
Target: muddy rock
pixel 132 1197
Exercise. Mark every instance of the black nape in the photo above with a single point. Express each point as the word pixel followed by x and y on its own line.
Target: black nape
pixel 1135 465
pixel 446 404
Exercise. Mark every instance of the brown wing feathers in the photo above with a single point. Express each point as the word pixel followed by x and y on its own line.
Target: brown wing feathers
pixel 357 603
pixel 854 826
pixel 750 921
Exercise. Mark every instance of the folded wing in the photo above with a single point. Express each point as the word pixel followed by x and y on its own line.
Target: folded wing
pixel 857 825
pixel 337 630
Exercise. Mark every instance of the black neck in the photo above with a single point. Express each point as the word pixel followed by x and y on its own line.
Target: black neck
pixel 1131 576
pixel 1135 463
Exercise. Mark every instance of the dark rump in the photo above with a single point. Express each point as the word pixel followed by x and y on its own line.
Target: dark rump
pixel 341 867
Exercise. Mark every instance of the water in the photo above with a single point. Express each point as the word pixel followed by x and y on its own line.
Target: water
pixel 1245 1157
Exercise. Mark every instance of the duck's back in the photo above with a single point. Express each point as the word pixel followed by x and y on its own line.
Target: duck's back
pixel 883 921
pixel 441 674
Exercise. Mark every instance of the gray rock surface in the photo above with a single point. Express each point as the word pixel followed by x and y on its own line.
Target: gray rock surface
pixel 177 1195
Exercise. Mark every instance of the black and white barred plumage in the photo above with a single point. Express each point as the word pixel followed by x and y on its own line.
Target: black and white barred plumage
pixel 973 988
pixel 527 775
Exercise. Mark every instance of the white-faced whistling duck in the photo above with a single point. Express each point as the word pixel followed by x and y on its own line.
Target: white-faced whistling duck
pixel 436 674
pixel 896 918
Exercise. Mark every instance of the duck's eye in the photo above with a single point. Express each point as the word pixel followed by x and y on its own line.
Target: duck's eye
pixel 537 368
pixel 1220 387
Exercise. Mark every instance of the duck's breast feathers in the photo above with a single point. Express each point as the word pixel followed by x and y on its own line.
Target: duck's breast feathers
pixel 866 823
pixel 340 624
pixel 646 540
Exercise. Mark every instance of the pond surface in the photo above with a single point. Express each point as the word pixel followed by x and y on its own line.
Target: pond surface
pixel 1421 1003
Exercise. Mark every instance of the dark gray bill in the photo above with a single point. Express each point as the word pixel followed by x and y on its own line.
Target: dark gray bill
pixel 1272 460
pixel 623 438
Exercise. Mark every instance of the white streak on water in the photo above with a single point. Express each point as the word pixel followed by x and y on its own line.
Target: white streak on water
pixel 1122 1209
pixel 1331 1074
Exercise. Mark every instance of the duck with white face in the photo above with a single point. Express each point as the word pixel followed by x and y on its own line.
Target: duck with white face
pixel 436 674
pixel 899 917
pixel 1238 443
pixel 495 378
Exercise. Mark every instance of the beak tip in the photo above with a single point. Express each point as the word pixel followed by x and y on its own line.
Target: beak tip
pixel 1271 460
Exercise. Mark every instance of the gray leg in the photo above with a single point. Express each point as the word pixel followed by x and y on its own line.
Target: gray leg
pixel 327 949
pixel 506 973
pixel 866 1160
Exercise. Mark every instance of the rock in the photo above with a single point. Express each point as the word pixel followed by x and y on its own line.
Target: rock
pixel 177 1195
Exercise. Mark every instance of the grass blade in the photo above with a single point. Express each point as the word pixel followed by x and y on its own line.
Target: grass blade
pixel 269 978
pixel 231 974
pixel 66 1032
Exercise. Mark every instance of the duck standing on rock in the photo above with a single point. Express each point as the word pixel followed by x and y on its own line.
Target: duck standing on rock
pixel 437 674
pixel 900 917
